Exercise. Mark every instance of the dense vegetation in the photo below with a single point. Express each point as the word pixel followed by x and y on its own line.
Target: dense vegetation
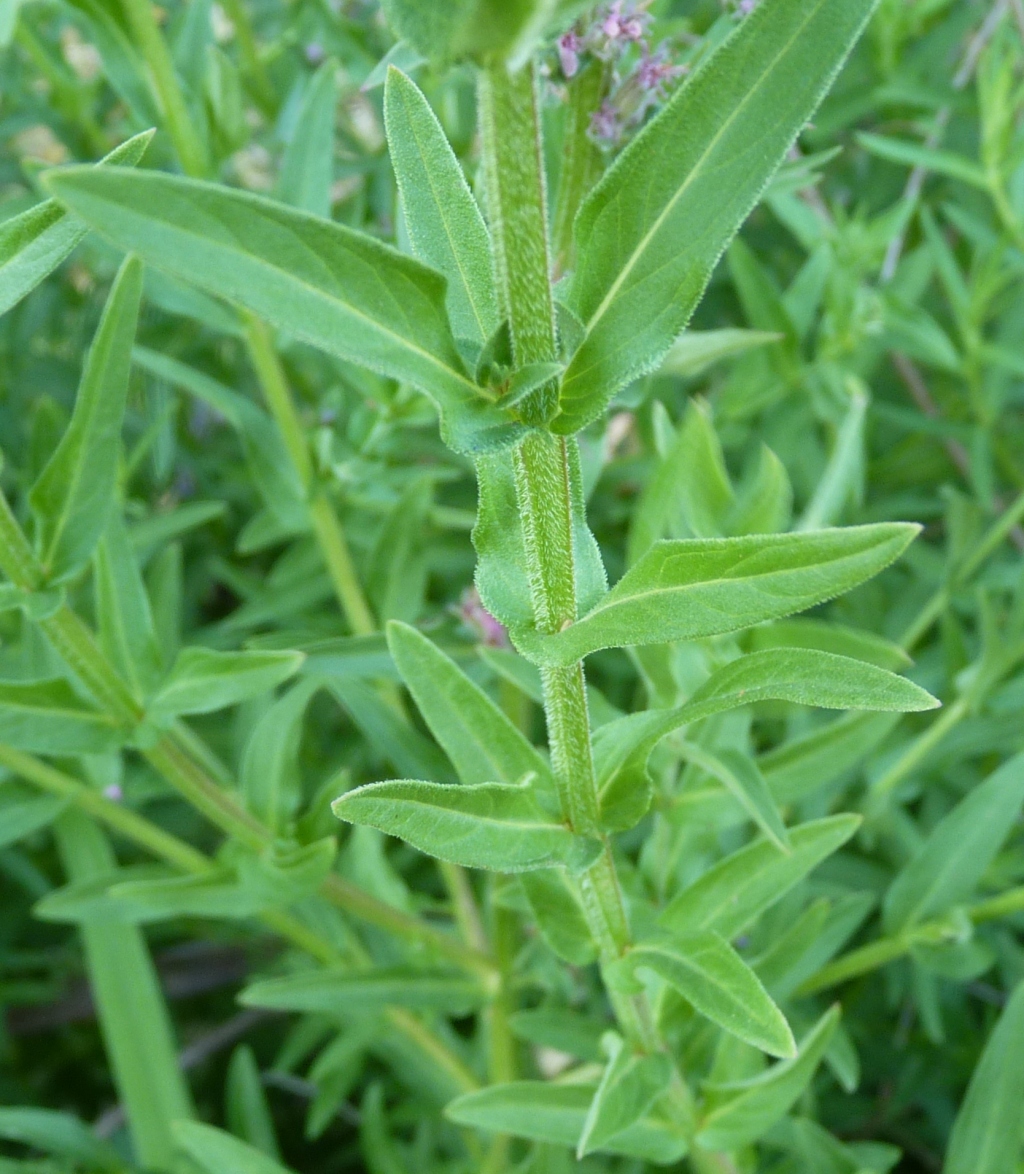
pixel 348 820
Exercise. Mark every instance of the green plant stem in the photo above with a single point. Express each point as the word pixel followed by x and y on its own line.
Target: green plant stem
pixel 326 525
pixel 516 201
pixel 164 846
pixel 150 40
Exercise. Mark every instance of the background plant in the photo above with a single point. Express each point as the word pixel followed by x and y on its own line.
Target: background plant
pixel 672 912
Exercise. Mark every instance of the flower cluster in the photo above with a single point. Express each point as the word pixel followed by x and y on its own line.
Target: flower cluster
pixel 638 80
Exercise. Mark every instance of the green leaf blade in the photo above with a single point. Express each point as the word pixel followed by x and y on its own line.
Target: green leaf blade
pixel 326 284
pixel 75 491
pixel 492 826
pixel 650 233
pixel 689 589
pixel 708 972
pixel 444 222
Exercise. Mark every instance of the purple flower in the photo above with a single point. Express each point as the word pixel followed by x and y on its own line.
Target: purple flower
pixel 604 124
pixel 625 27
pixel 569 47
pixel 474 615
pixel 315 53
pixel 113 792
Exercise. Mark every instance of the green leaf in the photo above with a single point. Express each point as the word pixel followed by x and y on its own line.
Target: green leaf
pixel 217 1152
pixel 556 1113
pixel 270 778
pixel 842 480
pixel 136 1027
pixel 740 776
pixel 496 826
pixel 73 496
pixel 696 350
pixel 272 472
pixel 33 244
pixel 202 680
pixel 387 730
pixel 126 629
pixel 689 492
pixel 323 283
pixel 649 235
pixel 930 158
pixel 826 636
pixel 245 1103
pixel 560 1028
pixel 481 741
pixel 307 167
pixel 735 891
pixel 559 914
pixel 691 589
pixel 954 857
pixel 802 676
pixel 738 1114
pixel 57 1133
pixel 710 975
pixel 49 717
pixel 989 1127
pixel 22 814
pixel 444 222
pixel 629 1087
pixel 362 992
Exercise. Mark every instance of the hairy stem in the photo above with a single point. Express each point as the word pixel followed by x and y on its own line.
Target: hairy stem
pixel 516 200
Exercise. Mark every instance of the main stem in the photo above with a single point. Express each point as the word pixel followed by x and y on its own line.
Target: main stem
pixel 517 206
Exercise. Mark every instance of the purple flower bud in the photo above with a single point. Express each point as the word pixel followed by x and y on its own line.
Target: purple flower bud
pixel 315 53
pixel 604 124
pixel 474 615
pixel 113 792
pixel 569 47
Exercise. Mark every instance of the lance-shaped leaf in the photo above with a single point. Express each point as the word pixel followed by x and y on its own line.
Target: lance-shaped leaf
pixel 710 975
pixel 989 1128
pixel 739 1113
pixel 22 814
pixel 33 244
pixel 126 630
pixel 202 680
pixel 216 1152
pixel 326 284
pixel 359 992
pixel 559 914
pixel 556 1113
pixel 696 350
pixel 307 168
pixel 497 826
pixel 443 219
pixel 958 851
pixel 59 1134
pixel 731 894
pixel 740 776
pixel 72 498
pixel 689 589
pixel 479 739
pixel 629 1087
pixel 650 233
pixel 49 717
pixel 800 675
